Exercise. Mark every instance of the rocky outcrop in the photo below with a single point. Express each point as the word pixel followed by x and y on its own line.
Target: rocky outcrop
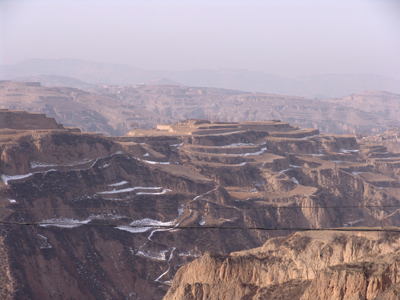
pixel 313 265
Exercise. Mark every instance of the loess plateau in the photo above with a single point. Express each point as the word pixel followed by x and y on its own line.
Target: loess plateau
pixel 202 209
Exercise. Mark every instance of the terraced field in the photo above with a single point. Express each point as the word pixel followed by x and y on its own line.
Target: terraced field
pixel 116 217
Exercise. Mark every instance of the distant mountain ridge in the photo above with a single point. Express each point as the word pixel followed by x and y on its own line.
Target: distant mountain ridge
pixel 320 86
pixel 52 80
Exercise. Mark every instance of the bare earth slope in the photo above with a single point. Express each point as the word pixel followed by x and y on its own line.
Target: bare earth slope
pixel 75 108
pixel 115 110
pixel 91 217
pixel 361 112
pixel 307 265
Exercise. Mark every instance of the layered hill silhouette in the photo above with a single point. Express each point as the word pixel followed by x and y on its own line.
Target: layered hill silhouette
pixel 323 85
pixel 115 110
pixel 86 216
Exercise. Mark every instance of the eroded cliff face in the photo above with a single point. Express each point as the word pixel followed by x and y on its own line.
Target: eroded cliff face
pixel 77 108
pixel 115 110
pixel 306 265
pixel 92 223
pixel 115 218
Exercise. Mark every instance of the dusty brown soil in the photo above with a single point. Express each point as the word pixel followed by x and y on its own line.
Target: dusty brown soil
pixel 116 110
pixel 116 217
pixel 307 265
pixel 367 112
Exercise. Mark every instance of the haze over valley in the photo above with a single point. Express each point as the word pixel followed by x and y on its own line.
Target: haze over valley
pixel 115 110
pixel 200 149
pixel 86 74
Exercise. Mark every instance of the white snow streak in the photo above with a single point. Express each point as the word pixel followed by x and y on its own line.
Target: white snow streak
pixel 37 164
pixel 234 145
pixel 341 150
pixel 45 243
pixel 294 166
pixel 337 161
pixel 188 253
pixel 144 193
pixel 169 266
pixel 7 178
pixel 247 154
pixel 153 255
pixel 176 145
pixel 71 223
pixel 63 222
pixel 307 137
pixel 129 190
pixel 202 221
pixel 105 166
pixel 144 225
pixel 151 222
pixel 133 229
pixel 156 162
pixel 241 164
pixel 118 183
pixel 352 222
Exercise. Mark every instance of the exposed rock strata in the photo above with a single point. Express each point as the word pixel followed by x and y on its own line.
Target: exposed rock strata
pixel 308 265
pixel 115 217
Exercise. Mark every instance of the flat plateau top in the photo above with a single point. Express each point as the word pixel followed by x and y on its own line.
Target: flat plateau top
pixel 204 127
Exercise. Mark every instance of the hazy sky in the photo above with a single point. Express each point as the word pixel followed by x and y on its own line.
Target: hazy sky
pixel 283 37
